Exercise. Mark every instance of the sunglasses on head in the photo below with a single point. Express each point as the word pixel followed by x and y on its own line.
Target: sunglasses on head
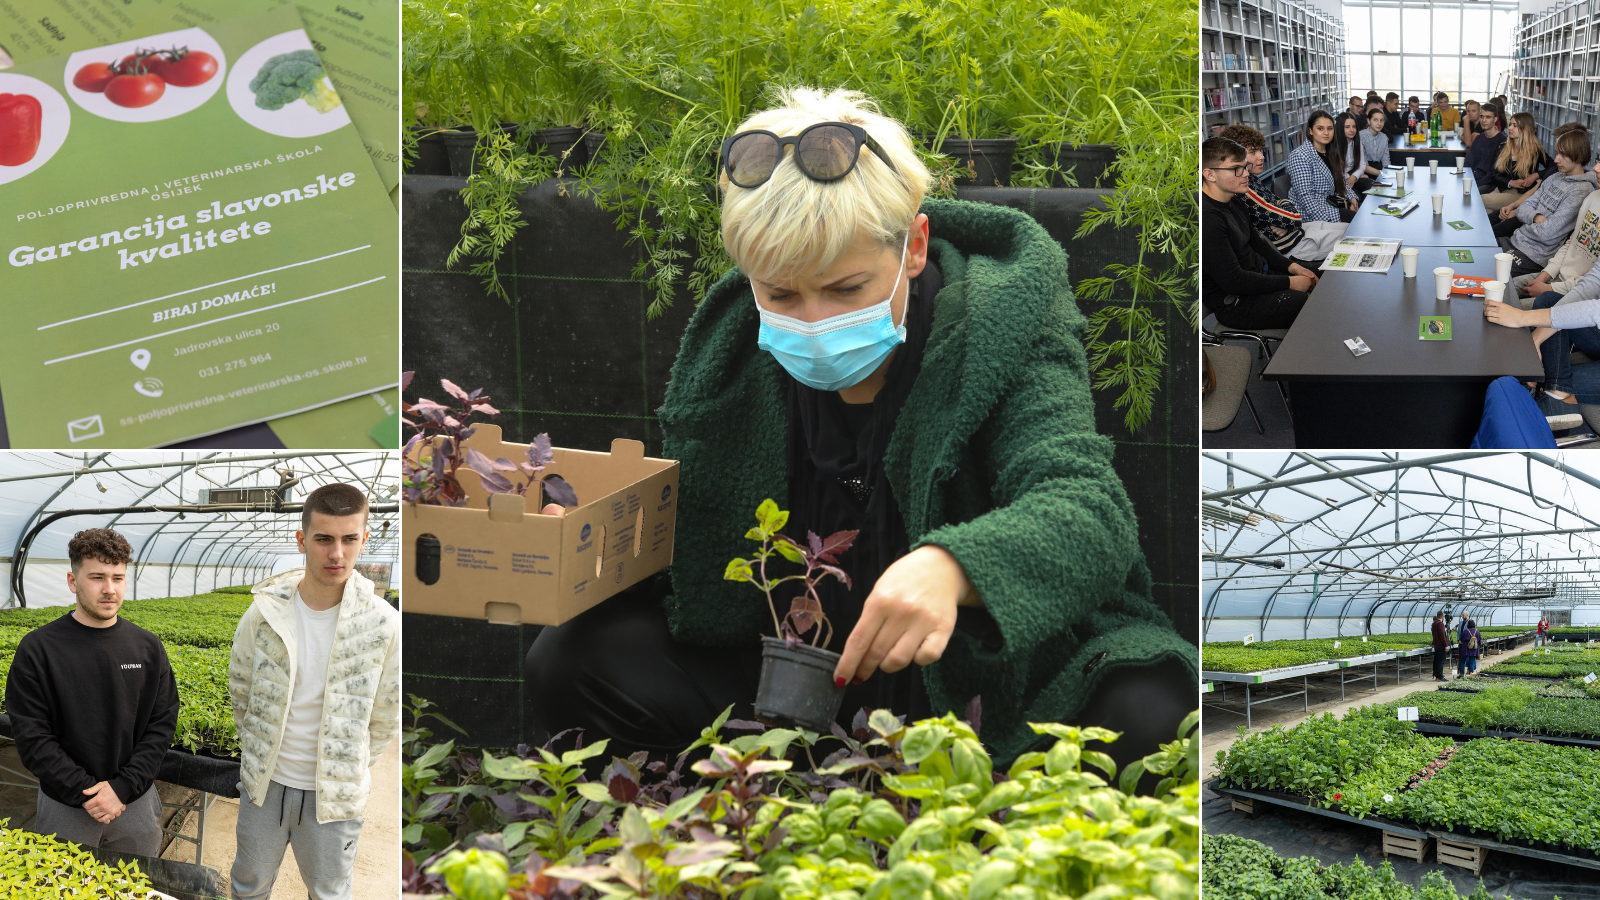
pixel 826 151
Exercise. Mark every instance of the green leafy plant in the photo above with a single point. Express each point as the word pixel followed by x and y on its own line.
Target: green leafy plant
pixel 1238 868
pixel 38 865
pixel 820 556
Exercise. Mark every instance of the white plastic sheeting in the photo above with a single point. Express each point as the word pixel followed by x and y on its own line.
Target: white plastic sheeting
pixel 1497 536
pixel 178 549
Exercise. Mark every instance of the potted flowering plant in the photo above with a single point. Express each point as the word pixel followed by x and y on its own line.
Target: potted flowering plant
pixel 796 675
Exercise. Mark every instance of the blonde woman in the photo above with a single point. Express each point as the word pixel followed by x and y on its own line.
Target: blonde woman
pixel 912 369
pixel 1517 167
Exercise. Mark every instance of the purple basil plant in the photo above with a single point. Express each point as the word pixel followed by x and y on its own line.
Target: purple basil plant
pixel 820 556
pixel 434 453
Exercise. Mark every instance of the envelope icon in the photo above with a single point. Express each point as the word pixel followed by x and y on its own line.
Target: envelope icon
pixel 84 429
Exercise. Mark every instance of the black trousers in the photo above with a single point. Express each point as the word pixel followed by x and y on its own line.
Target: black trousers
pixel 1274 310
pixel 1504 228
pixel 616 672
pixel 1438 661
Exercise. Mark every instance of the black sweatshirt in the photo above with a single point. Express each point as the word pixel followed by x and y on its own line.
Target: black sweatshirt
pixel 1234 257
pixel 90 705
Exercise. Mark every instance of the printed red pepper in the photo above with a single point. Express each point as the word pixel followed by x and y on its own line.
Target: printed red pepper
pixel 20 116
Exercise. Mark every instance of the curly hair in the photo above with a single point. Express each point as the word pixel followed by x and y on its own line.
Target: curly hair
pixel 1245 136
pixel 102 544
pixel 332 500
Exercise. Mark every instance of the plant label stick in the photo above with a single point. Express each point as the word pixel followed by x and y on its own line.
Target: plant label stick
pixel 1407 713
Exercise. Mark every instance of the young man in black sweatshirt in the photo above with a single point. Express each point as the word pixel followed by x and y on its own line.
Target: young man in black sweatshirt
pixel 93 706
pixel 1244 281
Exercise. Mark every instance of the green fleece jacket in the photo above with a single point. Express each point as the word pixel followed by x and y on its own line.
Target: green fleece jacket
pixel 994 457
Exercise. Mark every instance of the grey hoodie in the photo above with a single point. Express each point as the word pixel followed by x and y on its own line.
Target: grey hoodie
pixel 1558 200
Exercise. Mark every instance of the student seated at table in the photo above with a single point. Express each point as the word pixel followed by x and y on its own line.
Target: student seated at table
pixel 1276 218
pixel 1347 148
pixel 1508 221
pixel 1312 185
pixel 1570 263
pixel 1415 119
pixel 1375 144
pixel 1356 106
pixel 1469 122
pixel 1244 281
pixel 1485 150
pixel 1548 216
pixel 1517 165
pixel 1559 324
pixel 1448 115
pixel 1393 122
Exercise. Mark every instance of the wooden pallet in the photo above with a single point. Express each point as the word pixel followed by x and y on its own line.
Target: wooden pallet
pixel 1248 807
pixel 1413 848
pixel 1467 856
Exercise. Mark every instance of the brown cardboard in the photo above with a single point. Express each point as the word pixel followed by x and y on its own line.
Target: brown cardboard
pixel 507 564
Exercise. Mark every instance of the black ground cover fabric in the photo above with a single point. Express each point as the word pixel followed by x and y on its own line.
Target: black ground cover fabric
pixel 572 354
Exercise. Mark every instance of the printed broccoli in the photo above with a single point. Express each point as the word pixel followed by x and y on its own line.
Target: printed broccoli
pixel 293 76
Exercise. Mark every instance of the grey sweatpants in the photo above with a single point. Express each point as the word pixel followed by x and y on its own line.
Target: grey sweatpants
pixel 325 852
pixel 136 830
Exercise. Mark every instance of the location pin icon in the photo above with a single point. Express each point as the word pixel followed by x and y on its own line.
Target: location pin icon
pixel 141 358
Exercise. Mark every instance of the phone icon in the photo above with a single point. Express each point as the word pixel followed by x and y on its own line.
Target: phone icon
pixel 150 387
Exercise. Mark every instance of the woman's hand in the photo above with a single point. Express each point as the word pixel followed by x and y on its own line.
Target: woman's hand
pixel 1507 212
pixel 1506 314
pixel 909 615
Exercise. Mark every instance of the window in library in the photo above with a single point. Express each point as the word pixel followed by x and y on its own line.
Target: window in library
pixel 1463 47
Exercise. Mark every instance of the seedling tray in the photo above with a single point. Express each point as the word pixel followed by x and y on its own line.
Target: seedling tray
pixel 1537 850
pixel 179 880
pixel 198 772
pixel 1457 731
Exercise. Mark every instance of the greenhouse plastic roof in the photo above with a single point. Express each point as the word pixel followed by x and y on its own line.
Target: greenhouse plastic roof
pixel 1377 539
pixel 34 485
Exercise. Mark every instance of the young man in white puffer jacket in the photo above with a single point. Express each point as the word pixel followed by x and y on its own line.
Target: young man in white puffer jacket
pixel 315 679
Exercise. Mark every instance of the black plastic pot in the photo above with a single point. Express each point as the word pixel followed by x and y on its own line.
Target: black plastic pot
pixel 1090 164
pixel 432 156
pixel 986 160
pixel 557 141
pixel 593 141
pixel 797 686
pixel 459 146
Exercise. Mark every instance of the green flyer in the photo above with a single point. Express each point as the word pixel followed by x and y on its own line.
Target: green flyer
pixel 1461 256
pixel 189 253
pixel 357 41
pixel 1434 328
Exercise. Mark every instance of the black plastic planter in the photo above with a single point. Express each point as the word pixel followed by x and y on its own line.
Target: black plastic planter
pixel 565 139
pixel 592 142
pixel 432 156
pixel 459 146
pixel 1090 164
pixel 797 686
pixel 986 160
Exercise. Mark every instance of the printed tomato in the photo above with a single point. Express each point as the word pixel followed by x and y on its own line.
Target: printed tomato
pixel 186 68
pixel 20 119
pixel 94 77
pixel 134 91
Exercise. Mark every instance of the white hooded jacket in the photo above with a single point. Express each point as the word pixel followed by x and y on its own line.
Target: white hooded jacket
pixel 361 703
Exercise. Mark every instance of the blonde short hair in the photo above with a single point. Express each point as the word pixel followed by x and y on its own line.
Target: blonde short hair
pixel 792 225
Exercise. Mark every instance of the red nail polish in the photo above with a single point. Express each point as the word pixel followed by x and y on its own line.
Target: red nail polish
pixel 859 680
pixel 838 682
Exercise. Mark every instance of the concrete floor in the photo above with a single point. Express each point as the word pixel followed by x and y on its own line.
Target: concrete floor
pixel 377 870
pixel 1291 832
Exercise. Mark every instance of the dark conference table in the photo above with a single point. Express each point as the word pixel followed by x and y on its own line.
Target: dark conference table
pixel 1406 393
pixel 1420 227
pixel 1400 148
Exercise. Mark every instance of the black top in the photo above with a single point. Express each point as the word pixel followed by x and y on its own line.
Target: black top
pixel 837 483
pixel 1503 177
pixel 1394 122
pixel 89 705
pixel 1234 257
pixel 1480 159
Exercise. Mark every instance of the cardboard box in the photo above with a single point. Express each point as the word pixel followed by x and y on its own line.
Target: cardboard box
pixel 507 564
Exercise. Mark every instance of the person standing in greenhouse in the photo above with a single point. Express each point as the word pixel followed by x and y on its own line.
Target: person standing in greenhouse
pixel 315 682
pixel 1461 643
pixel 1542 635
pixel 1441 645
pixel 93 706
pixel 1471 645
pixel 911 369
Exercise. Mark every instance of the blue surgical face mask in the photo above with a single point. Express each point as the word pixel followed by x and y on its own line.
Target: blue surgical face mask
pixel 840 351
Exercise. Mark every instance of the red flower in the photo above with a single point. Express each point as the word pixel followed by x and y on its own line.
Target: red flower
pixel 1337 796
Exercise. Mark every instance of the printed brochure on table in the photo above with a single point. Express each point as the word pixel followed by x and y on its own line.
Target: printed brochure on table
pixel 193 242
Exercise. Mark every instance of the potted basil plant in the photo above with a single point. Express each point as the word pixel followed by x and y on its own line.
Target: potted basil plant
pixel 796 676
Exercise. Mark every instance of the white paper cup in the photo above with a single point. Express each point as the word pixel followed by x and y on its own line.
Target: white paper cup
pixel 1494 290
pixel 1433 168
pixel 1408 261
pixel 1466 189
pixel 1461 163
pixel 1438 204
pixel 1442 277
pixel 1502 266
pixel 1400 180
pixel 1411 164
